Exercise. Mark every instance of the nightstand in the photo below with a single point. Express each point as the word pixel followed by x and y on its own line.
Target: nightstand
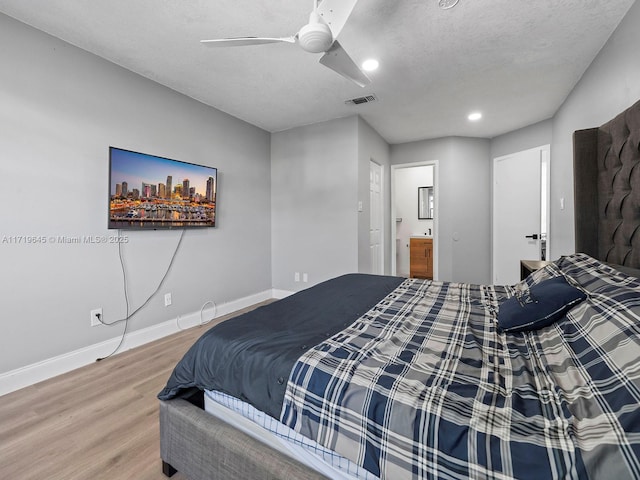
pixel 527 267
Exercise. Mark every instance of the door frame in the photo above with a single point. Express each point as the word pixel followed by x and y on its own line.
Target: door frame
pixel 436 216
pixel 545 157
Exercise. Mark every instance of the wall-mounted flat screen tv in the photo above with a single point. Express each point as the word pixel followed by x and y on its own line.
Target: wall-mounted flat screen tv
pixel 150 192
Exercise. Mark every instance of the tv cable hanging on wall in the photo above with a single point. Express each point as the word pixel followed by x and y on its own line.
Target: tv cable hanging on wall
pixel 126 295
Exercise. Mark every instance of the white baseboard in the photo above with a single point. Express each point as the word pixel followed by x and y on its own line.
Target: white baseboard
pixel 51 367
pixel 281 293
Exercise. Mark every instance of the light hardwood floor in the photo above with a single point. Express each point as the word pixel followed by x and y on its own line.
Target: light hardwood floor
pixel 97 422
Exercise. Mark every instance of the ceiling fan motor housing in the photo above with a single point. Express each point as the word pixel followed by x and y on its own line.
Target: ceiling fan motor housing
pixel 315 37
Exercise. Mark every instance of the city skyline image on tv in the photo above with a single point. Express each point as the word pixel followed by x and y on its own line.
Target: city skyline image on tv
pixel 152 192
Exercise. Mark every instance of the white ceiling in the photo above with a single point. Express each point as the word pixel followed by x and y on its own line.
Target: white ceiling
pixel 514 60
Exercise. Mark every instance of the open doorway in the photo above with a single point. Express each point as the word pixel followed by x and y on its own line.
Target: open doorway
pixel 410 217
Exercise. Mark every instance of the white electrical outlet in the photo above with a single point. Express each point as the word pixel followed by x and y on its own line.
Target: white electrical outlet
pixel 95 313
pixel 296 277
pixel 167 299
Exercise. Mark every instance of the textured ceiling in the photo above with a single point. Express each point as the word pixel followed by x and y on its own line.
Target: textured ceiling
pixel 514 60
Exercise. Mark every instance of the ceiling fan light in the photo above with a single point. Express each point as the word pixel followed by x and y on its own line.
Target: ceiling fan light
pixel 315 37
pixel 370 65
pixel 475 116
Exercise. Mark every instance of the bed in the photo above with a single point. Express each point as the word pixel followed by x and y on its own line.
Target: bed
pixel 408 378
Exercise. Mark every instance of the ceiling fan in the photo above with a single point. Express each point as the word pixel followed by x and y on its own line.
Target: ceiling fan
pixel 318 36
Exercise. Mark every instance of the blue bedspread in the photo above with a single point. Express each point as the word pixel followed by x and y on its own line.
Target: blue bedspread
pixel 424 386
pixel 251 356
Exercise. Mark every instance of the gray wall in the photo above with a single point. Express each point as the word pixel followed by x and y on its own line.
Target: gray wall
pixel 463 184
pixel 314 199
pixel 61 109
pixel 319 173
pixel 610 85
pixel 522 139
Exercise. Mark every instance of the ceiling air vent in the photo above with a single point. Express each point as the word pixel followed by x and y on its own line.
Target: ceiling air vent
pixel 360 100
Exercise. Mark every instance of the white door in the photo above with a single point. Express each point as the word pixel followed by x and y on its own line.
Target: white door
pixel 516 212
pixel 375 220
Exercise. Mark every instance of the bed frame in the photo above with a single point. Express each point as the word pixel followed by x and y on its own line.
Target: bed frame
pixel 606 165
pixel 203 447
pixel 607 227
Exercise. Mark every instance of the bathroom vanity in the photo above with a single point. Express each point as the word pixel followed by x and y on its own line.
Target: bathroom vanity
pixel 421 257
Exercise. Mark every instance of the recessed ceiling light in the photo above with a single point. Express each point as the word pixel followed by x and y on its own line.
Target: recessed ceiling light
pixel 445 4
pixel 370 65
pixel 475 116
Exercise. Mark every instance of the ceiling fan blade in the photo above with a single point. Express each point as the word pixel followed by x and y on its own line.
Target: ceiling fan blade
pixel 244 41
pixel 340 62
pixel 335 13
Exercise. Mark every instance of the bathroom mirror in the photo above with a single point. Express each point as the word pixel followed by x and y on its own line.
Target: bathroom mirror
pixel 425 203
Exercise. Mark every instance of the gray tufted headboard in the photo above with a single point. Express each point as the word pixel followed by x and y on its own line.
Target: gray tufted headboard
pixel 606 165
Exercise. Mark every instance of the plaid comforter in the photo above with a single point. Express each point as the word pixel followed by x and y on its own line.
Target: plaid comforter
pixel 424 386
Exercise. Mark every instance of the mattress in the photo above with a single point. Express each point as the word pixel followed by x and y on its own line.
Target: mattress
pixel 266 429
